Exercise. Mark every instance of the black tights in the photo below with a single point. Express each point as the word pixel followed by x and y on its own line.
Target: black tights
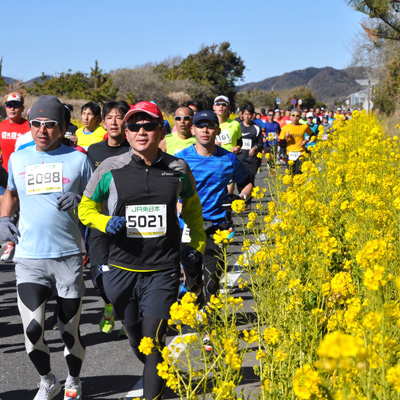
pixel 155 329
pixel 32 300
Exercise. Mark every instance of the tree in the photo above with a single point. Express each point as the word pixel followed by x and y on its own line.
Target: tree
pixel 2 81
pixel 216 67
pixel 386 14
pixel 102 86
pixel 300 93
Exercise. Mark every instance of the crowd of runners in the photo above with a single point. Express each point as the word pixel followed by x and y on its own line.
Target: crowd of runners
pixel 136 205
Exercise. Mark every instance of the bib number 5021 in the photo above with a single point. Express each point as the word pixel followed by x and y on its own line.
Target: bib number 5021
pixel 143 221
pixel 146 221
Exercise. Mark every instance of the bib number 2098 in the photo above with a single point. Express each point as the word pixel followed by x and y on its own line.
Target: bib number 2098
pixel 44 178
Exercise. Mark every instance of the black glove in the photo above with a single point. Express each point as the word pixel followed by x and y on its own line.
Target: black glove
pixel 68 201
pixel 192 262
pixel 8 230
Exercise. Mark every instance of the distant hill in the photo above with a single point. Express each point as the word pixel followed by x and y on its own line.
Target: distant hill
pixel 29 83
pixel 328 84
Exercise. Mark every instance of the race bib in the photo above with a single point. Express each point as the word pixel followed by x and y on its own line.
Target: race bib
pixel 43 178
pixel 224 137
pixel 294 155
pixel 186 235
pixel 146 221
pixel 246 144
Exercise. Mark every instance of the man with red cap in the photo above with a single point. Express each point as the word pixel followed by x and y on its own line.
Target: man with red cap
pixel 10 130
pixel 141 189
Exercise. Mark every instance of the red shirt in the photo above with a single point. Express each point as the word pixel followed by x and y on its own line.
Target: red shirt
pixel 285 120
pixel 9 133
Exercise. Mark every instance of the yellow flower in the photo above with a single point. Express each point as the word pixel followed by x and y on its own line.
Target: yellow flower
pixel 146 346
pixel 271 335
pixel 250 336
pixel 338 345
pixel 393 377
pixel 306 383
pixel 238 206
pixel 222 237
pixel 374 278
pixel 186 312
pixel 280 355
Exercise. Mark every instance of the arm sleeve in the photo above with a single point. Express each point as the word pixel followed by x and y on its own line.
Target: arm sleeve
pixel 90 206
pixel 89 214
pixel 260 143
pixel 193 216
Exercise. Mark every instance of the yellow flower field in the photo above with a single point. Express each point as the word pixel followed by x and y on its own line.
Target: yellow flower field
pixel 323 270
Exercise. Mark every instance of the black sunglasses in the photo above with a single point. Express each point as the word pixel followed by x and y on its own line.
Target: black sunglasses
pixel 148 126
pixel 202 125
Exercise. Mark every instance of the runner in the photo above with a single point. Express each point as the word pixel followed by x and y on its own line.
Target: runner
pixel 97 242
pixel 46 180
pixel 230 136
pixel 11 129
pixel 91 132
pixel 295 137
pixel 213 168
pixel 252 138
pixel 182 137
pixel 272 131
pixel 141 189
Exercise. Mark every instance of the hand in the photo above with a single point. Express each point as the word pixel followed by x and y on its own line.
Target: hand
pixel 287 135
pixel 236 149
pixel 252 151
pixel 68 201
pixel 8 230
pixel 73 138
pixel 115 224
pixel 192 262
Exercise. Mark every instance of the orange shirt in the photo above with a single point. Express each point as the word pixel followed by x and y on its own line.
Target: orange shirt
pixel 297 135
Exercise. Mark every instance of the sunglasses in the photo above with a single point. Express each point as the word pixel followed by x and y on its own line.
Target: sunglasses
pixel 271 115
pixel 183 118
pixel 13 104
pixel 202 125
pixel 296 115
pixel 148 126
pixel 221 104
pixel 47 124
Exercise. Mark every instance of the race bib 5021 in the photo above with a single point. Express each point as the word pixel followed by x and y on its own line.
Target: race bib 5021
pixel 44 178
pixel 146 221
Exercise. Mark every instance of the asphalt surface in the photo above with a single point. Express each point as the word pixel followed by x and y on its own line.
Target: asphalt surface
pixel 110 368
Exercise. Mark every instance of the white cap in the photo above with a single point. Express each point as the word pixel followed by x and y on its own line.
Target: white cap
pixel 14 96
pixel 310 115
pixel 222 98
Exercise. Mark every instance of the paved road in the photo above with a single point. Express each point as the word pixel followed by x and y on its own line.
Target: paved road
pixel 110 368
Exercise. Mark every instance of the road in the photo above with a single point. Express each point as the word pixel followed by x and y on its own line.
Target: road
pixel 110 368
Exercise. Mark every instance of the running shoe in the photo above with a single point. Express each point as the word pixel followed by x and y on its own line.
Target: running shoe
pixel 8 254
pixel 46 392
pixel 107 322
pixel 73 392
pixel 122 333
pixel 136 391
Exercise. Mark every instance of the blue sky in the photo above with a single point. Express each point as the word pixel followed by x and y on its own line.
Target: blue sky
pixel 272 37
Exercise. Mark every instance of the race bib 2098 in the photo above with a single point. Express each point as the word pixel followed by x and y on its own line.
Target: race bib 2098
pixel 43 178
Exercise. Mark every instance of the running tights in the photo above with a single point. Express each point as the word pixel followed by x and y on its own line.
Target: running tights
pixel 155 329
pixel 32 299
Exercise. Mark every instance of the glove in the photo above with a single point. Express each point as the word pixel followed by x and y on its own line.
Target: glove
pixel 8 230
pixel 68 201
pixel 115 224
pixel 192 262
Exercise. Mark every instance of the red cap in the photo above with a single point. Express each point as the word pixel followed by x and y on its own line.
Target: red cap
pixel 146 107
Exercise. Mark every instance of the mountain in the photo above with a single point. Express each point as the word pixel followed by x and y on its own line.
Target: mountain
pixel 29 83
pixel 328 84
